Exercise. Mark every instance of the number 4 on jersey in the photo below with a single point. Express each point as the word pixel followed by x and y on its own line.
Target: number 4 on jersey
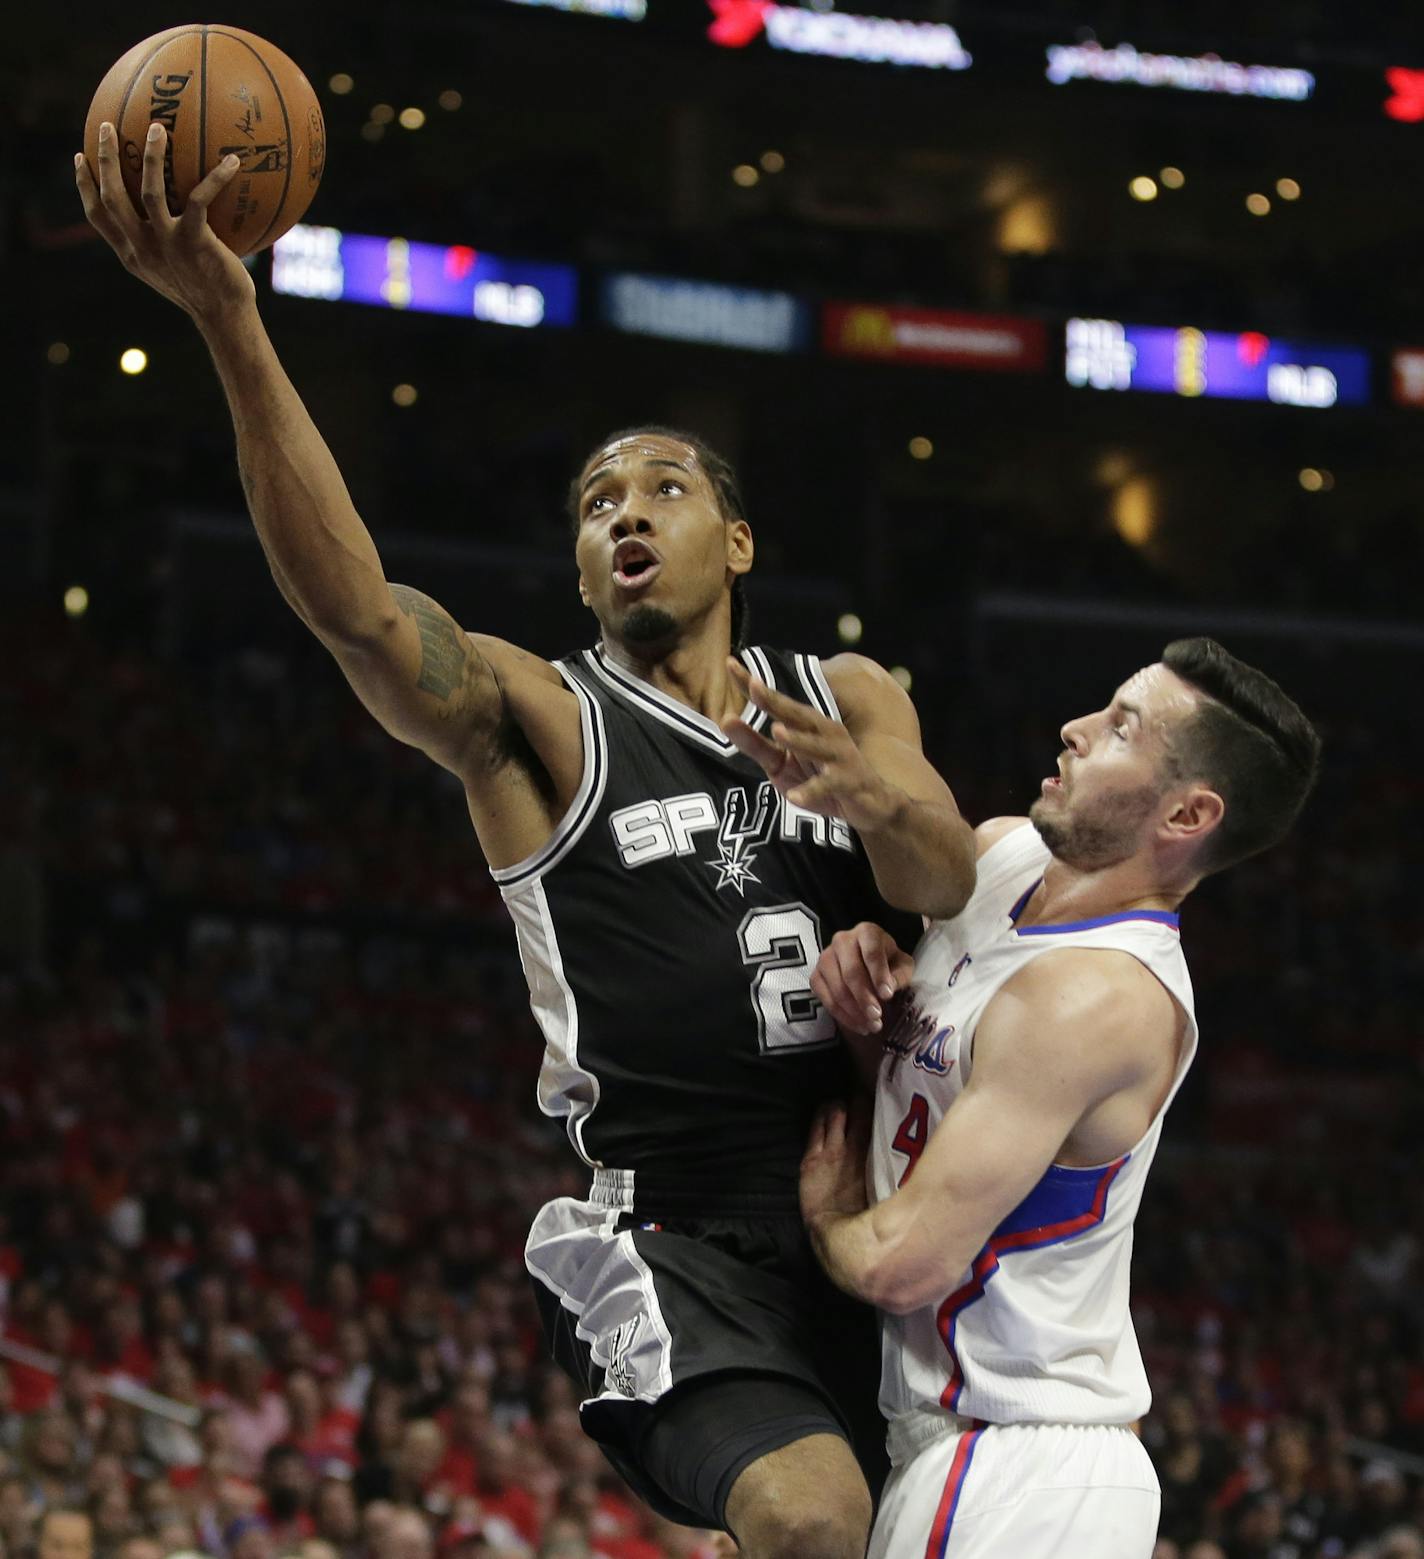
pixel 913 1133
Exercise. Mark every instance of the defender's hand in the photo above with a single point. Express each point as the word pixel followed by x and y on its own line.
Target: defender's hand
pixel 180 256
pixel 811 759
pixel 859 971
pixel 833 1168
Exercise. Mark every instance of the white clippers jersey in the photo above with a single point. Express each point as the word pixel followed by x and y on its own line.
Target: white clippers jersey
pixel 1037 1330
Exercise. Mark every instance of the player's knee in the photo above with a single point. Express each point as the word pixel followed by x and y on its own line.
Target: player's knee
pixel 828 1527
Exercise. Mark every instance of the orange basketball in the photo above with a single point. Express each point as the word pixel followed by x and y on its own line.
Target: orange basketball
pixel 217 90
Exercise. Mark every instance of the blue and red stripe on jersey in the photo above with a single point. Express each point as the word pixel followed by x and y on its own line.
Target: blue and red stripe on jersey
pixel 953 1488
pixel 1065 1203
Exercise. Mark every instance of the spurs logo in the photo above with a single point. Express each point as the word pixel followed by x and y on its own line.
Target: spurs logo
pixel 620 1374
pixel 745 823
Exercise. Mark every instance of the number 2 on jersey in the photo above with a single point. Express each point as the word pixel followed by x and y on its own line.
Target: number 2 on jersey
pixel 782 943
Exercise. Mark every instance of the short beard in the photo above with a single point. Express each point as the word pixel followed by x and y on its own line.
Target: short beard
pixel 648 625
pixel 1092 843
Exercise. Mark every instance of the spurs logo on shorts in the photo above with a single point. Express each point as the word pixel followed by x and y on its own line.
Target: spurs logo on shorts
pixel 619 1374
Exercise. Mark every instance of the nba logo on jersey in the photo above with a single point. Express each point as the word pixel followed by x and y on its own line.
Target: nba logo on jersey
pixel 959 969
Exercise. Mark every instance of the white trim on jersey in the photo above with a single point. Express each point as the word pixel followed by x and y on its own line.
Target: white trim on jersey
pixel 587 797
pixel 818 690
pixel 565 1088
pixel 669 710
pixel 755 657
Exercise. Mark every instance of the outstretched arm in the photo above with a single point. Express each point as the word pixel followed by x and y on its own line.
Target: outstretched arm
pixel 427 681
pixel 1056 1042
pixel 871 771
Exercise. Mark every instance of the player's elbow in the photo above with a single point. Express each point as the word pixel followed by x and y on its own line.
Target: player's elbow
pixel 892 1297
pixel 949 897
pixel 900 1291
pixel 906 1273
pixel 947 881
pixel 962 873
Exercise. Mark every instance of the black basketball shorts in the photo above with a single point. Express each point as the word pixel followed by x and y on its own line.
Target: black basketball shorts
pixel 701 1344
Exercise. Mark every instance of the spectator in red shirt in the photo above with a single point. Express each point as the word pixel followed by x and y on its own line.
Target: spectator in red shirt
pixel 337 1427
pixel 464 1421
pixel 497 1488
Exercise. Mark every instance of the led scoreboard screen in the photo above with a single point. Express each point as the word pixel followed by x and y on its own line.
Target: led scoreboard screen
pixel 394 273
pixel 1103 354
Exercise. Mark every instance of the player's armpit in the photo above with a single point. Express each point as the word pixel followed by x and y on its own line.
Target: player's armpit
pixel 1058 1040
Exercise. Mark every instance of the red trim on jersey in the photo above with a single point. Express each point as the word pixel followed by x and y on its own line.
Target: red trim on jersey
pixel 949 1500
pixel 986 1264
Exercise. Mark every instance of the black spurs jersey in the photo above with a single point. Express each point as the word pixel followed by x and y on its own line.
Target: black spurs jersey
pixel 668 931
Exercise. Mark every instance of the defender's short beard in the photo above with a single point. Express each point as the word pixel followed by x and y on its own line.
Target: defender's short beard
pixel 1092 843
pixel 646 625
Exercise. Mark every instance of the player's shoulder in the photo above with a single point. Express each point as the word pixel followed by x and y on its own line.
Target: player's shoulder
pixel 509 660
pixel 868 697
pixel 994 830
pixel 1092 978
pixel 1099 1002
pixel 857 673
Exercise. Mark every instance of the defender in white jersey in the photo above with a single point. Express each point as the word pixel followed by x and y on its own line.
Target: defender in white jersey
pixel 1021 1083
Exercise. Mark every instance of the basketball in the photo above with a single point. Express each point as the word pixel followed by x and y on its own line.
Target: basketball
pixel 217 90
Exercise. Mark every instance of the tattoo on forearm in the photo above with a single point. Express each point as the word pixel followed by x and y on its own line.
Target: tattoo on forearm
pixel 442 659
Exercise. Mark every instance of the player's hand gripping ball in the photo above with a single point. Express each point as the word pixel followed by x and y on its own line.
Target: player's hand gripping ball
pixel 217 91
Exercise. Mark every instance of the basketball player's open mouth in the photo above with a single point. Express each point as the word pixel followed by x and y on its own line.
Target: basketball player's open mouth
pixel 635 564
pixel 1052 783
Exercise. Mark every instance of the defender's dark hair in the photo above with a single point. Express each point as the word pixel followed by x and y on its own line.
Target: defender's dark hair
pixel 1249 742
pixel 725 487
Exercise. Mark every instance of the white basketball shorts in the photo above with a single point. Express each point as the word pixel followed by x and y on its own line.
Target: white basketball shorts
pixel 1033 1491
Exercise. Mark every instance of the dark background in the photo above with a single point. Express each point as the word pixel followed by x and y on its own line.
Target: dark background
pixel 250 965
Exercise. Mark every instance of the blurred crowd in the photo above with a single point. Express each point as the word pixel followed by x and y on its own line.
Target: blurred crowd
pixel 270 1150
